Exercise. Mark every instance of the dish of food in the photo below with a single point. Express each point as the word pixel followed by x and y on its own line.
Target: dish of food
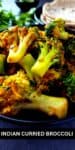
pixel 37 70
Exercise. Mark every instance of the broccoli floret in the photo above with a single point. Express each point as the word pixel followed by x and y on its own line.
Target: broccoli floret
pixel 24 44
pixel 69 48
pixel 48 57
pixel 57 29
pixel 24 95
pixel 69 84
pixel 49 28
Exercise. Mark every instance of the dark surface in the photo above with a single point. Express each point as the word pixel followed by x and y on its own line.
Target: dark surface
pixel 37 144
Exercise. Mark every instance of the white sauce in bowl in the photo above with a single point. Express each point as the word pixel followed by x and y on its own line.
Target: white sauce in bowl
pixel 67 14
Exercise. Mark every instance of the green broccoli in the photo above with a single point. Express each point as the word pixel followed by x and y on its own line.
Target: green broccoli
pixel 69 48
pixel 47 58
pixel 49 28
pixel 27 62
pixel 57 29
pixel 69 84
pixel 24 95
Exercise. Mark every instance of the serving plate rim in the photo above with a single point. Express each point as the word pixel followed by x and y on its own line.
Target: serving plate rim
pixel 43 122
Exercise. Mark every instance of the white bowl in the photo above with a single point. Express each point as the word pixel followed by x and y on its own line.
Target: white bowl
pixel 64 9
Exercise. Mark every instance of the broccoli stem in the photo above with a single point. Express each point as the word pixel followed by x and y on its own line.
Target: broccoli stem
pixel 2 61
pixel 45 60
pixel 51 105
pixel 27 62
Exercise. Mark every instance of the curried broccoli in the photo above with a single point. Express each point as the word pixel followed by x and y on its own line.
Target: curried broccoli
pixel 49 28
pixel 47 58
pixel 69 48
pixel 57 29
pixel 27 62
pixel 17 89
pixel 69 84
pixel 24 44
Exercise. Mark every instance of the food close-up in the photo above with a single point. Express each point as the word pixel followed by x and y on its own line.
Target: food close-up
pixel 37 62
pixel 37 69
